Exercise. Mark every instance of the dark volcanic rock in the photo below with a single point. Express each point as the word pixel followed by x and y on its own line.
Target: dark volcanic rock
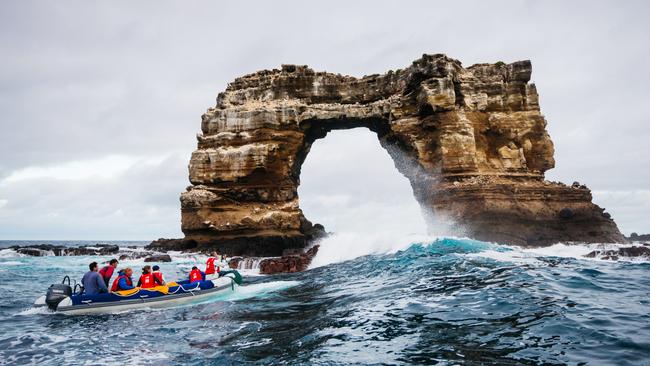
pixel 637 237
pixel 60 250
pixel 566 213
pixel 134 255
pixel 172 244
pixel 159 258
pixel 615 254
pixel 289 263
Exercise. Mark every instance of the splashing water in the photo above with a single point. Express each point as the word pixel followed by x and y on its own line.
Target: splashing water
pixel 453 300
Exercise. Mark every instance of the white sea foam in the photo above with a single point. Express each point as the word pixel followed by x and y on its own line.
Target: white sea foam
pixel 260 289
pixel 41 310
pixel 11 263
pixel 560 250
pixel 346 246
pixel 9 253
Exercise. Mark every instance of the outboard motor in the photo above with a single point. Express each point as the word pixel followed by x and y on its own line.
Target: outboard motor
pixel 57 292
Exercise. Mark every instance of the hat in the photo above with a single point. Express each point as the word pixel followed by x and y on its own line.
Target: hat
pixel 156 268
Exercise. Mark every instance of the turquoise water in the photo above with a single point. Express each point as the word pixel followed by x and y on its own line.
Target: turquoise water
pixel 449 301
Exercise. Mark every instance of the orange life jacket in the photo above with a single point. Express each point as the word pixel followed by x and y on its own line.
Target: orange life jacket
pixel 209 266
pixel 195 276
pixel 147 281
pixel 115 286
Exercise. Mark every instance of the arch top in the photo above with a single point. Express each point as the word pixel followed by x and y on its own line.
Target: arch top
pixel 472 141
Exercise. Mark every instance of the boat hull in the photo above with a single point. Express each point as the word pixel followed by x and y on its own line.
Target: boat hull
pixel 181 294
pixel 143 303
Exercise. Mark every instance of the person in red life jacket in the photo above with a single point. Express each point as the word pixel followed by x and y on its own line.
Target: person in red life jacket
pixel 210 267
pixel 148 280
pixel 107 271
pixel 123 281
pixel 196 275
pixel 158 275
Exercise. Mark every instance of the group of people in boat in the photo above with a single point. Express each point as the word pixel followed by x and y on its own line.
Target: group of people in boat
pixel 96 280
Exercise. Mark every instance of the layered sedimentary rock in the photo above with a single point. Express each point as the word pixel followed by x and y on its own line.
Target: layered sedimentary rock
pixel 472 141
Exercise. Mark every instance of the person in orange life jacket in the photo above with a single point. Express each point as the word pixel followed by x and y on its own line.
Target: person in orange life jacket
pixel 196 275
pixel 148 280
pixel 107 271
pixel 159 276
pixel 123 280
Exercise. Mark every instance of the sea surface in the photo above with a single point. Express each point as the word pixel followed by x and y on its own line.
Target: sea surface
pixel 444 301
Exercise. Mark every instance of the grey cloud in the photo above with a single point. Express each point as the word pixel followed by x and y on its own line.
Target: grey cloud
pixel 81 80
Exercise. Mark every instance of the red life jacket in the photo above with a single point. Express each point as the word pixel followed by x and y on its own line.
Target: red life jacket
pixel 158 276
pixel 147 281
pixel 195 276
pixel 209 266
pixel 115 286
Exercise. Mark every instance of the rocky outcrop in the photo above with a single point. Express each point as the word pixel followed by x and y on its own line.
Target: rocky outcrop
pixel 472 141
pixel 622 252
pixel 637 237
pixel 42 250
pixel 158 258
pixel 288 263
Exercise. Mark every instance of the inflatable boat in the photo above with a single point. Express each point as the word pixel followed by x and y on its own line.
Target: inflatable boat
pixel 63 298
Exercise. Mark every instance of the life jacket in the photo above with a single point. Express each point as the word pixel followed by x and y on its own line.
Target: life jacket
pixel 209 266
pixel 147 281
pixel 195 276
pixel 158 276
pixel 115 286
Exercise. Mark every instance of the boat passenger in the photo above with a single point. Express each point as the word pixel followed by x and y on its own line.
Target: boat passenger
pixel 123 280
pixel 158 275
pixel 92 282
pixel 210 267
pixel 107 271
pixel 148 280
pixel 196 275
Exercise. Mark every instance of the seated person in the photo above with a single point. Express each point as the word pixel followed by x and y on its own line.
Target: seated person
pixel 92 281
pixel 148 280
pixel 123 281
pixel 196 275
pixel 157 274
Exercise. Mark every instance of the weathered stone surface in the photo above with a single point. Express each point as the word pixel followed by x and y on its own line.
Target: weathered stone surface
pixel 288 263
pixel 159 258
pixel 615 254
pixel 472 141
pixel 41 250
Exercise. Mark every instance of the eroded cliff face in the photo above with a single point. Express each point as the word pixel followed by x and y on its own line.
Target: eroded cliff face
pixel 472 142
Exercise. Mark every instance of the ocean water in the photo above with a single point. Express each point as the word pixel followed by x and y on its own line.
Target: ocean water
pixel 437 301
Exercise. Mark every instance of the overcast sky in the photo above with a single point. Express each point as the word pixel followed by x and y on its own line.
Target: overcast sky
pixel 100 102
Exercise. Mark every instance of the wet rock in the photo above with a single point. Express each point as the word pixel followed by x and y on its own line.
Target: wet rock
pixel 41 250
pixel 234 262
pixel 615 254
pixel 288 263
pixel 637 237
pixel 134 255
pixel 159 258
pixel 172 244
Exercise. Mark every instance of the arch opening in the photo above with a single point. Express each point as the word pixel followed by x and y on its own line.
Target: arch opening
pixel 351 185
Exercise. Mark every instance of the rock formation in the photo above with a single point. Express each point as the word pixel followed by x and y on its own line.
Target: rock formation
pixel 472 141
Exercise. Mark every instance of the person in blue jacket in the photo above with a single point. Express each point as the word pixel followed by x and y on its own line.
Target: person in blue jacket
pixel 92 281
pixel 123 280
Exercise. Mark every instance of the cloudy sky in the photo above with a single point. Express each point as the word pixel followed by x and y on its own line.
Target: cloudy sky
pixel 100 102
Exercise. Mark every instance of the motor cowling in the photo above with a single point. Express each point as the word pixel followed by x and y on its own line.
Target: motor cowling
pixel 56 293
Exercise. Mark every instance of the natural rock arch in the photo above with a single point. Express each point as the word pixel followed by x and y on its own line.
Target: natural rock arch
pixel 471 141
